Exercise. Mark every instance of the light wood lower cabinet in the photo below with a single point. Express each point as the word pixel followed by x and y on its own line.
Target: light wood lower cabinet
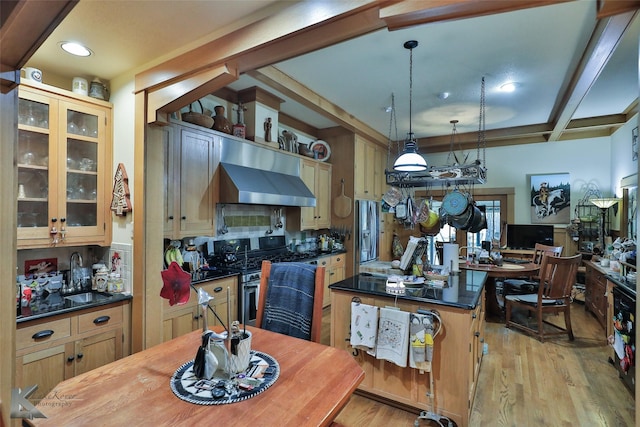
pixel 335 271
pixel 53 349
pixel 456 361
pixel 595 299
pixel 181 319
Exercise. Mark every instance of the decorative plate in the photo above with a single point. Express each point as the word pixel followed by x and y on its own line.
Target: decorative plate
pixel 321 150
pixel 220 391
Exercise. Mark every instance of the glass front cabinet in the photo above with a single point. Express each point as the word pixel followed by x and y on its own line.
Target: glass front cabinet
pixel 64 158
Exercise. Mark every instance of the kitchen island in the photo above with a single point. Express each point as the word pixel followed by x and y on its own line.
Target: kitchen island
pixel 457 352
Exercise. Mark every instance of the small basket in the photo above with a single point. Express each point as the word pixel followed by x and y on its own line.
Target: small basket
pixel 198 118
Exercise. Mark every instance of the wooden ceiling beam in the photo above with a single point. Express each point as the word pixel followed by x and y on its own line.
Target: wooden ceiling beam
pixel 410 13
pixel 607 35
pixel 298 29
pixel 25 26
pixel 608 8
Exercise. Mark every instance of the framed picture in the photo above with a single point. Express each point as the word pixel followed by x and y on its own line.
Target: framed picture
pixel 634 143
pixel 550 198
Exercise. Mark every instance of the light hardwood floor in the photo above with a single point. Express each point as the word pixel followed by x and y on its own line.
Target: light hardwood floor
pixel 524 382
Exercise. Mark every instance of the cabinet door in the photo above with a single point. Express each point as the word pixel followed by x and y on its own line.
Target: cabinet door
pixel 44 368
pixel 197 207
pixel 170 182
pixel 323 195
pixel 97 350
pixel 37 171
pixel 308 176
pixel 359 169
pixel 83 155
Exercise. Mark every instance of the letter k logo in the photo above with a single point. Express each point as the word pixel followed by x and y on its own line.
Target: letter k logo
pixel 21 407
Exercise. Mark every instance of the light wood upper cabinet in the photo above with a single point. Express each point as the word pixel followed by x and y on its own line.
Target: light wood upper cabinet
pixel 64 169
pixel 190 171
pixel 369 164
pixel 317 177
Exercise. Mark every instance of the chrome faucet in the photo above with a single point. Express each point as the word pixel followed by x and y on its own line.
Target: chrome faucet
pixel 75 261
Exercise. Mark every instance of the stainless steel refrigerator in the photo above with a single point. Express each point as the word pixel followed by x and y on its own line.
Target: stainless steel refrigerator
pixel 368 227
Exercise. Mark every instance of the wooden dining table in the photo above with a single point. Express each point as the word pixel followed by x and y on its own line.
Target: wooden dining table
pixel 505 271
pixel 314 384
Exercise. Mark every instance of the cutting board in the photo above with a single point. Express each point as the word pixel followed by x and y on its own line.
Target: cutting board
pixel 342 204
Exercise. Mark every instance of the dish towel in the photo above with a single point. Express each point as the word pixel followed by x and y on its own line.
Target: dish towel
pixel 421 333
pixel 393 336
pixel 364 326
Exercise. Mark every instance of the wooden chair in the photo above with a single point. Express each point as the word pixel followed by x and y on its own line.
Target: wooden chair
pixel 557 277
pixel 530 284
pixel 290 300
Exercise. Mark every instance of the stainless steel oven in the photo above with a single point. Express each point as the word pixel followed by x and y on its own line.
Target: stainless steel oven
pixel 248 301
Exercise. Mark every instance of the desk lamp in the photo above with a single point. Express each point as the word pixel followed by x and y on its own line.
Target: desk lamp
pixel 604 205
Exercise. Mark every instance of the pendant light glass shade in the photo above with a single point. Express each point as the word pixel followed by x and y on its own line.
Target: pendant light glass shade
pixel 410 160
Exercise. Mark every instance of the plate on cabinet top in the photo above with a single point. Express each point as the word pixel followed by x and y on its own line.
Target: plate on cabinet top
pixel 321 150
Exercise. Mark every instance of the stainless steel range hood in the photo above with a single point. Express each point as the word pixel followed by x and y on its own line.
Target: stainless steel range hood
pixel 255 175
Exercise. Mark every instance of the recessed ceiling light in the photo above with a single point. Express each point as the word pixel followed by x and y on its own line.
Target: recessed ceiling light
pixel 509 86
pixel 443 95
pixel 75 49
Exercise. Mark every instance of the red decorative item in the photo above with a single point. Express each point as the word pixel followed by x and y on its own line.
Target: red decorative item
pixel 176 286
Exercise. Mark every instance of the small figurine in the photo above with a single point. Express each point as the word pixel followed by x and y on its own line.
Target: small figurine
pixel 267 129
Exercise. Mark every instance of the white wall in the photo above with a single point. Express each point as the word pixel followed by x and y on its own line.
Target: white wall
pixel 123 101
pixel 586 160
pixel 622 163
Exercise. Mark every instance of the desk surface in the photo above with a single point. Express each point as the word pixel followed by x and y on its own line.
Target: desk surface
pixel 315 383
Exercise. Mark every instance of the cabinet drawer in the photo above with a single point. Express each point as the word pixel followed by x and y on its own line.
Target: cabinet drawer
pixel 43 332
pixel 337 260
pixel 99 319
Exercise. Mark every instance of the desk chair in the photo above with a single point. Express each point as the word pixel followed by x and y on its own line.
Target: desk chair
pixel 557 277
pixel 290 300
pixel 530 284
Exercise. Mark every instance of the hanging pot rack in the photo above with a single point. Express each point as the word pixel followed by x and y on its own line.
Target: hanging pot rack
pixel 446 175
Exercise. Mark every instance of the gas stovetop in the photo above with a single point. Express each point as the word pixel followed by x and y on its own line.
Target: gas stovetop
pixel 245 260
pixel 253 260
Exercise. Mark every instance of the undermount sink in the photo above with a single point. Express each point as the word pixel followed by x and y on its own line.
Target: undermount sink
pixel 87 297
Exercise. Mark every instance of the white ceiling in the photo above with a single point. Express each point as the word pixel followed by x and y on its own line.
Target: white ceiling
pixel 540 48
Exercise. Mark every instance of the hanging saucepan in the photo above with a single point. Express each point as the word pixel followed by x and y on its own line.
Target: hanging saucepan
pixel 462 221
pixel 478 220
pixel 431 226
pixel 455 203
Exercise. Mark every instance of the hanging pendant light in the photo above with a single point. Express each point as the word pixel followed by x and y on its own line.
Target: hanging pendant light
pixel 410 160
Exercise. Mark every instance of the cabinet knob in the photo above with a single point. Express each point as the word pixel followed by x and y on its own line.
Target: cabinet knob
pixel 477 334
pixel 80 356
pixel 183 217
pixel 171 217
pixel 474 315
pixel 218 289
pixel 70 358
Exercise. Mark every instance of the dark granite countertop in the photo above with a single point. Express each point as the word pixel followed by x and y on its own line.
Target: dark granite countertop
pixel 470 285
pixel 56 304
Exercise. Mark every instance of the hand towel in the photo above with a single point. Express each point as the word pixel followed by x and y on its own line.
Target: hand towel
pixel 364 326
pixel 393 336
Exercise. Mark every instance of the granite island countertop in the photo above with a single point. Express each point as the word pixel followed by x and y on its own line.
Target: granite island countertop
pixel 467 296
